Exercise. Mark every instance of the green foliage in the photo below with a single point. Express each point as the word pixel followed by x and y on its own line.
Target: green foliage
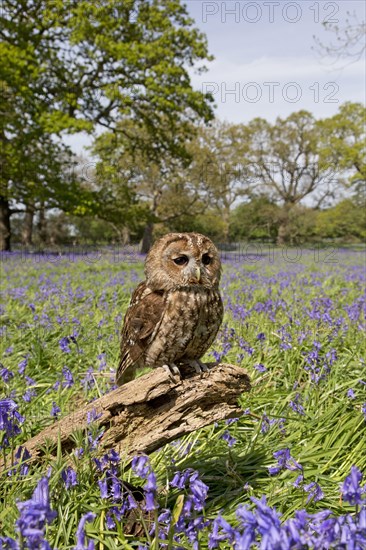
pixel 346 220
pixel 70 67
pixel 343 141
pixel 255 219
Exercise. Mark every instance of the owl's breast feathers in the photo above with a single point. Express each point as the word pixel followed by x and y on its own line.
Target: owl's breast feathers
pixel 166 326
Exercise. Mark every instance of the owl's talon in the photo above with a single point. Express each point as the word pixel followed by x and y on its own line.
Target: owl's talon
pixel 172 370
pixel 198 366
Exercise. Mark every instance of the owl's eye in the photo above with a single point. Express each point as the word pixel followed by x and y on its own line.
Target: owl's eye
pixel 181 260
pixel 206 259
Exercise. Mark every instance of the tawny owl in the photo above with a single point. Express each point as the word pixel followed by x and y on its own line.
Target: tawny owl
pixel 174 315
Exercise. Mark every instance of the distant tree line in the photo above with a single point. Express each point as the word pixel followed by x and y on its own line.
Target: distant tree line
pixel 162 162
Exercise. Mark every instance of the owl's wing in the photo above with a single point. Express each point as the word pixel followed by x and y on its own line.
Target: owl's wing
pixel 142 318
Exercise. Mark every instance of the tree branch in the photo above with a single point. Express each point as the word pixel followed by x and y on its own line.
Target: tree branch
pixel 147 413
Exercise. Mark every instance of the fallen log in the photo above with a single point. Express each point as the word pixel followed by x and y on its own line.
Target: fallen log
pixel 145 414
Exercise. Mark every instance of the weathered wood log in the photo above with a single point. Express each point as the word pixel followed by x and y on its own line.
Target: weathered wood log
pixel 149 412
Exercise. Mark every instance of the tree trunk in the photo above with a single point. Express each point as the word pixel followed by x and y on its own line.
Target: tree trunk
pixel 145 414
pixel 284 227
pixel 125 236
pixel 27 232
pixel 5 228
pixel 42 224
pixel 147 238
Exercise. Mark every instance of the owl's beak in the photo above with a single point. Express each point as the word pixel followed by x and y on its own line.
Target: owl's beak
pixel 196 272
pixel 194 275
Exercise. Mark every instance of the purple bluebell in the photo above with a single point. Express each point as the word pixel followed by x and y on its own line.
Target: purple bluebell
pixel 64 344
pixel 296 405
pixel 68 381
pixel 10 418
pixel 260 367
pixel 21 456
pixel 284 461
pixel 198 491
pixel 180 478
pixel 7 543
pixel 80 533
pixel 351 488
pixel 315 492
pixel 103 486
pixel 141 466
pixel 298 481
pixel 230 440
pixel 55 411
pixel 69 477
pixel 23 364
pixel 221 531
pixel 150 503
pixel 35 513
pixel 28 395
pixel 92 416
pixel 6 374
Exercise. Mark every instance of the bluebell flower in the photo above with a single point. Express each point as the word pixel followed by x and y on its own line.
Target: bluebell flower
pixel 5 373
pixel 22 455
pixel 55 411
pixel 150 501
pixel 28 395
pixel 180 478
pixel 10 418
pixel 7 543
pixel 92 416
pixel 68 378
pixel 228 438
pixel 296 405
pixel 298 481
pixel 221 531
pixel 80 533
pixel 64 344
pixel 116 489
pixel 284 461
pixel 103 486
pixel 69 477
pixel 198 490
pixel 351 487
pixel 351 394
pixel 34 514
pixel 150 485
pixel 315 492
pixel 141 466
pixel 260 367
pixel 23 364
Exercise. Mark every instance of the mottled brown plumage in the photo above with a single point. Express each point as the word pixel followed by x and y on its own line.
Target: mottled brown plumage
pixel 174 315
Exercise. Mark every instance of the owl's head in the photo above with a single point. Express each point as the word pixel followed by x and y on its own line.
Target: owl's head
pixel 182 259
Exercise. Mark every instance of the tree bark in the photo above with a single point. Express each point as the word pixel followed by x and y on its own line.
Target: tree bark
pixel 145 414
pixel 27 232
pixel 5 228
pixel 42 224
pixel 147 239
pixel 125 236
pixel 283 229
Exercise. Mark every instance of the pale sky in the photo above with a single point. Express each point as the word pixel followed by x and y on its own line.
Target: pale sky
pixel 266 63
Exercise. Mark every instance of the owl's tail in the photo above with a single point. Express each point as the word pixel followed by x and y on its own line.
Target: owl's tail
pixel 125 375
